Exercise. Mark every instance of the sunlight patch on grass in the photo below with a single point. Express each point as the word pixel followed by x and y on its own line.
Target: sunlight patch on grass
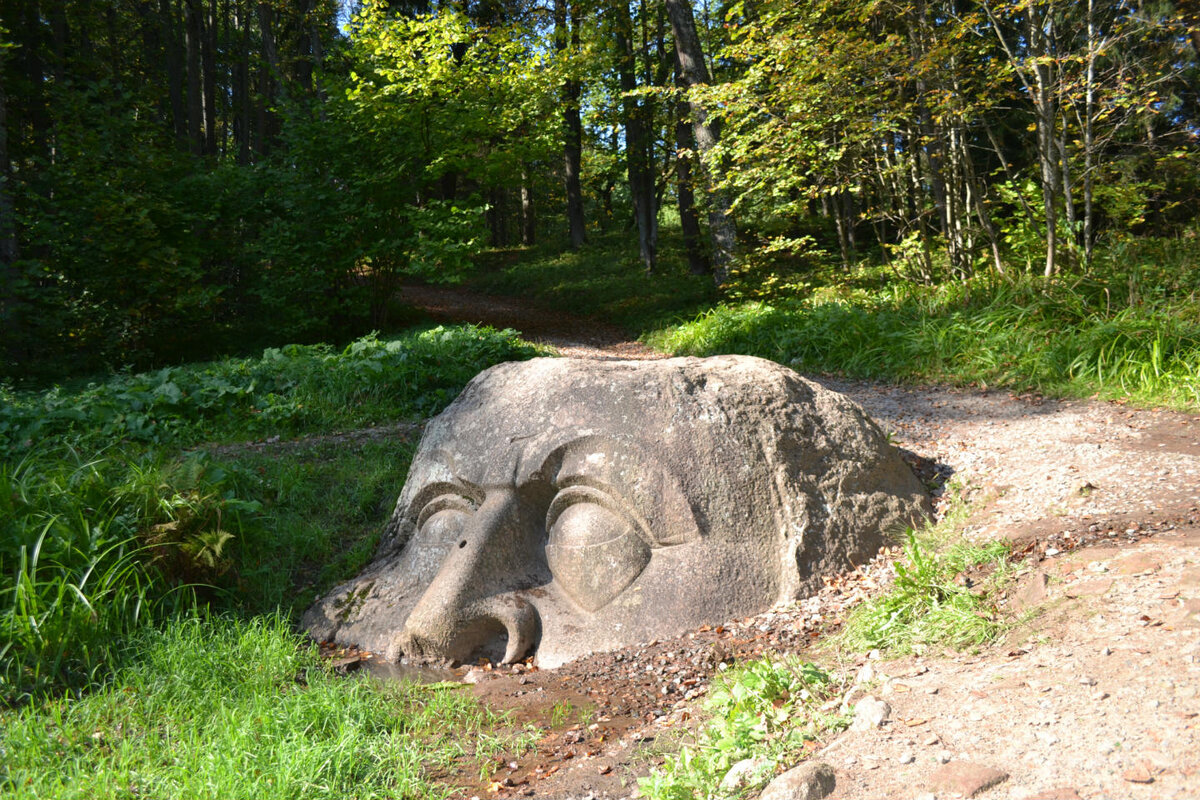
pixel 220 709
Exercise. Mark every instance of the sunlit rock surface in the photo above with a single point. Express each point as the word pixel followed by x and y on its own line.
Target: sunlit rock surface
pixel 561 507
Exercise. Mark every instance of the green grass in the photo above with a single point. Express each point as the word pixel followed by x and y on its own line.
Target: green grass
pixel 147 584
pixel 768 709
pixel 604 279
pixel 1055 338
pixel 107 526
pixel 931 604
pixel 220 709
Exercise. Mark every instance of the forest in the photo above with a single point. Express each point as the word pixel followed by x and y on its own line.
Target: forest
pixel 189 178
pixel 210 389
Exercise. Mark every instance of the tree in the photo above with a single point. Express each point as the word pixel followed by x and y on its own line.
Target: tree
pixel 693 74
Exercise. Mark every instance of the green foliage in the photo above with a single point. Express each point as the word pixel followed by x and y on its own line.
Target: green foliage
pixel 931 604
pixel 218 708
pixel 92 550
pixel 604 279
pixel 288 390
pixel 767 709
pixel 105 529
pixel 1055 337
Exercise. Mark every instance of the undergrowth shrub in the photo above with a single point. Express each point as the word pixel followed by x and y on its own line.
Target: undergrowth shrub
pixel 289 389
pixel 94 548
pixel 769 709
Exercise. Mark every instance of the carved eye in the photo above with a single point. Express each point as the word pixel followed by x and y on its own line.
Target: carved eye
pixel 594 550
pixel 444 517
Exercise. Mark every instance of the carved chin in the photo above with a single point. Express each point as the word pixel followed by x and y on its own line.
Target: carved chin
pixel 592 575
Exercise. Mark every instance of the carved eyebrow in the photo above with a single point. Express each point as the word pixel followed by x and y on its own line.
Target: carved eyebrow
pixel 583 489
pixel 472 494
pixel 659 508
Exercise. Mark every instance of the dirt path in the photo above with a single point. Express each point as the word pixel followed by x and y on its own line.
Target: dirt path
pixel 570 335
pixel 1096 696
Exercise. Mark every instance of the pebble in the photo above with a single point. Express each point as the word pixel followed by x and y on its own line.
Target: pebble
pixel 907 758
pixel 870 712
pixel 944 756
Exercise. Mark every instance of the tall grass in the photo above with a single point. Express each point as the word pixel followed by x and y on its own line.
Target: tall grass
pixel 219 709
pixel 930 605
pixel 93 549
pixel 106 527
pixel 1054 338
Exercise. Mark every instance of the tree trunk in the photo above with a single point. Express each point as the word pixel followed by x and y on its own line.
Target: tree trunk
pixel 689 220
pixel 267 77
pixel 528 210
pixel 174 70
pixel 209 61
pixel 241 85
pixel 195 99
pixel 9 246
pixel 693 73
pixel 641 181
pixel 571 124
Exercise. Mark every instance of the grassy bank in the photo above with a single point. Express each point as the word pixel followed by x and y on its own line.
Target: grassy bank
pixel 148 578
pixel 1024 336
pixel 216 708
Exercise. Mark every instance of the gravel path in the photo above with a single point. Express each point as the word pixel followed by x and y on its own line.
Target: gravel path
pixel 1095 696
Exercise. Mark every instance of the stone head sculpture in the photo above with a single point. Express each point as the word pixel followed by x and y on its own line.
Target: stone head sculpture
pixel 561 507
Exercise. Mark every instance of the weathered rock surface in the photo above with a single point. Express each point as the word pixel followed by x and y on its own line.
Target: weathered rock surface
pixel 809 781
pixel 966 779
pixel 567 507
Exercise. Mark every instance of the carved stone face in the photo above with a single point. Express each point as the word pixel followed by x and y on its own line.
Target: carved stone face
pixel 565 507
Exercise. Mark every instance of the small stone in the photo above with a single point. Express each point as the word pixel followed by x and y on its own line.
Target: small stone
pixel 1106 652
pixel 866 674
pixel 944 756
pixel 1087 680
pixel 1138 774
pixel 930 741
pixel 966 778
pixel 1030 591
pixel 810 781
pixel 1100 695
pixel 907 758
pixel 1059 793
pixel 870 712
pixel 745 774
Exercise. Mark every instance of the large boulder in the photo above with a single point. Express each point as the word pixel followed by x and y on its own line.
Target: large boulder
pixel 563 507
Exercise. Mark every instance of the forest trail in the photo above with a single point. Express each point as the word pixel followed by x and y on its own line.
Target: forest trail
pixel 1095 695
pixel 572 336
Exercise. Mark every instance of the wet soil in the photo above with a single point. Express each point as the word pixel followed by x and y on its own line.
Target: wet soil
pixel 1096 693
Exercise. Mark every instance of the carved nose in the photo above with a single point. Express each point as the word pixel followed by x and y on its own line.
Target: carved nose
pixel 470 609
